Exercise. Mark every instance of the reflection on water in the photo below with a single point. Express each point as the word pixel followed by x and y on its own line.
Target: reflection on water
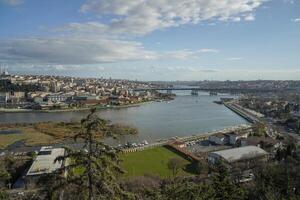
pixel 186 115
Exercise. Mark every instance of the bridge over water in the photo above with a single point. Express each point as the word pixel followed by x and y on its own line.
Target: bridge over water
pixel 195 90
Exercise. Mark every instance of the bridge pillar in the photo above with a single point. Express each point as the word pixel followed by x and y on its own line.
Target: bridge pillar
pixel 169 91
pixel 194 92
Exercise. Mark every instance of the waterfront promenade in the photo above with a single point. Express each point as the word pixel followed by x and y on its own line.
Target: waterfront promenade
pixel 198 137
pixel 249 116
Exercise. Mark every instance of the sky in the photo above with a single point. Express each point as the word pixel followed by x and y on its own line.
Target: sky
pixel 152 39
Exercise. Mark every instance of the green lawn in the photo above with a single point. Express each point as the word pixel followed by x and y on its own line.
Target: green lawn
pixel 152 161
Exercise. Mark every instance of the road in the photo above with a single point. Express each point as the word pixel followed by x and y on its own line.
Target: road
pixel 272 128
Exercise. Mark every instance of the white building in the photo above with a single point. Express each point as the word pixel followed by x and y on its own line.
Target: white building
pixel 233 137
pixel 235 155
pixel 58 97
pixel 43 164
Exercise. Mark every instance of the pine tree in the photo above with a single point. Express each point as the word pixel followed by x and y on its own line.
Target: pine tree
pixel 92 172
pixel 224 186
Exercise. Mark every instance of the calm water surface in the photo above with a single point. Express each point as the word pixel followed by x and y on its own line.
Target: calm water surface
pixel 186 115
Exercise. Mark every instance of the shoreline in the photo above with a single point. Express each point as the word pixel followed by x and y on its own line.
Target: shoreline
pixel 4 111
pixel 22 147
pixel 127 106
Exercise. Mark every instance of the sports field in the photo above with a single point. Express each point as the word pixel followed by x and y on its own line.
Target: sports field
pixel 152 161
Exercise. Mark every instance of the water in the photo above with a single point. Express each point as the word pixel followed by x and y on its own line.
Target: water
pixel 9 132
pixel 186 115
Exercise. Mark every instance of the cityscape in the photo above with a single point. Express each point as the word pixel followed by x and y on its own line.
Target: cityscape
pixel 149 100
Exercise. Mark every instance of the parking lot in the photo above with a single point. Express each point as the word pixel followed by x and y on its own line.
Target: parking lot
pixel 204 146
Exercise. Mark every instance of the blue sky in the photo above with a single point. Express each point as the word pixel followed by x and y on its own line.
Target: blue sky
pixel 152 39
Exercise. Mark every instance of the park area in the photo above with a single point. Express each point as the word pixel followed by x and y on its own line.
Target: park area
pixel 154 161
pixel 47 133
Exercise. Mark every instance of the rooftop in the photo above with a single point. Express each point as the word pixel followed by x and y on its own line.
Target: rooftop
pixel 44 162
pixel 241 153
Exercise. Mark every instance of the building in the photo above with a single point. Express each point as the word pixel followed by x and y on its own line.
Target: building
pixel 219 139
pixel 235 136
pixel 16 97
pixel 60 97
pixel 4 97
pixel 262 142
pixel 179 144
pixel 229 138
pixel 43 164
pixel 11 97
pixel 231 157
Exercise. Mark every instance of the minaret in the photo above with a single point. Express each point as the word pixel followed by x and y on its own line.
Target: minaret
pixel 6 71
pixel 2 70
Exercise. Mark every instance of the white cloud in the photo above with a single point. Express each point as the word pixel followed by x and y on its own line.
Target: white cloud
pixel 296 20
pixel 289 1
pixel 180 54
pixel 107 40
pixel 186 53
pixel 208 50
pixel 140 17
pixel 235 58
pixel 71 50
pixel 249 17
pixel 12 2
pixel 91 28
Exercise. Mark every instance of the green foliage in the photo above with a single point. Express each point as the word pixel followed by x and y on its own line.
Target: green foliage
pixel 4 174
pixel 225 187
pixel 185 190
pixel 121 129
pixel 282 179
pixel 175 164
pixel 259 130
pixel 3 195
pixel 201 167
pixel 287 150
pixel 98 164
pixel 7 169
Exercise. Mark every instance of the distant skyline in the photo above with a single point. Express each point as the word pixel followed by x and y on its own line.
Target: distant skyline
pixel 152 39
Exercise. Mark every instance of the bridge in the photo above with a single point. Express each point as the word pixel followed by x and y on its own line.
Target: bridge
pixel 195 90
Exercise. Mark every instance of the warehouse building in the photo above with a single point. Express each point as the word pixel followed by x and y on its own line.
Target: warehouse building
pixel 231 157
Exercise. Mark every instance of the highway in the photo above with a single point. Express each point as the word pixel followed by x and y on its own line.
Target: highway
pixel 273 129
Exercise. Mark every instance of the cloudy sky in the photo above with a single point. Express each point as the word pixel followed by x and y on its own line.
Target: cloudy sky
pixel 152 39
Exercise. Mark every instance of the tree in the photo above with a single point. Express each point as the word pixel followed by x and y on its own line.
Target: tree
pixel 224 186
pixel 288 150
pixel 201 167
pixel 93 172
pixel 259 129
pixel 3 195
pixel 4 174
pixel 186 189
pixel 281 179
pixel 175 164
